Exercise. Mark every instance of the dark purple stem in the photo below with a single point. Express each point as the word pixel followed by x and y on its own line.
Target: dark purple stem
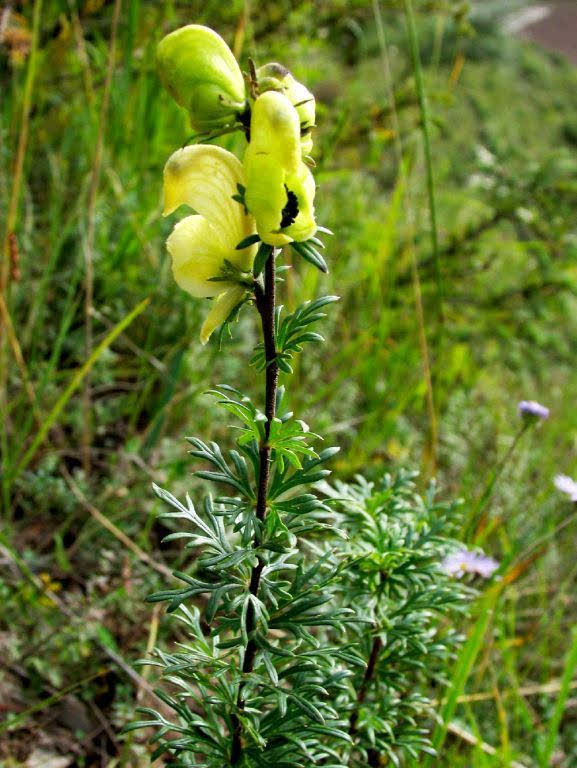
pixel 266 303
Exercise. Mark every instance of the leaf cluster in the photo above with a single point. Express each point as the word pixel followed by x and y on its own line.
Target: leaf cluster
pixel 402 599
pixel 336 572
pixel 287 714
pixel 292 331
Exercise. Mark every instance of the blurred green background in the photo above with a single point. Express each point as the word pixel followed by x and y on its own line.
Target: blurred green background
pixel 427 354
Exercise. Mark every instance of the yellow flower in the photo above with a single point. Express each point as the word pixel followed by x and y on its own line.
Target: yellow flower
pixel 201 246
pixel 199 70
pixel 280 188
pixel 275 77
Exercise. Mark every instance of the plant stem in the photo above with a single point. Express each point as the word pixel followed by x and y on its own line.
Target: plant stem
pixel 266 305
pixel 373 758
pixel 425 121
pixel 430 455
pixel 479 516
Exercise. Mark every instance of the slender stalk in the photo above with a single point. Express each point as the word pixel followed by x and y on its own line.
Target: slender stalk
pixel 430 457
pixel 89 241
pixel 10 227
pixel 365 684
pixel 266 305
pixel 425 124
pixel 479 516
pixel 18 174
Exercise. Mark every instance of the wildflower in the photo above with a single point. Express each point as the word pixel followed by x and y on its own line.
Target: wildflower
pixel 199 70
pixel 531 410
pixel 280 188
pixel 464 561
pixel 566 485
pixel 275 77
pixel 203 246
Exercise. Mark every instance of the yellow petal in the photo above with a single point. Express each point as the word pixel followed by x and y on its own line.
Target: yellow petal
pixel 220 310
pixel 275 129
pixel 279 186
pixel 206 178
pixel 303 101
pixel 197 255
pixel 303 186
pixel 307 144
pixel 274 76
pixel 266 196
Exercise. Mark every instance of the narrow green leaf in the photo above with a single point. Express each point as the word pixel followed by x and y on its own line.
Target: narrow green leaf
pixel 261 258
pixel 73 385
pixel 250 240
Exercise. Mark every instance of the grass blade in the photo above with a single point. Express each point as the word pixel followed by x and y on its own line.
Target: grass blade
pixel 464 666
pixel 75 382
pixel 555 722
pixel 425 120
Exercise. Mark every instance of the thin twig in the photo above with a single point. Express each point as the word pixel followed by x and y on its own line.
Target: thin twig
pixel 537 689
pixel 150 645
pixel 469 738
pixel 19 357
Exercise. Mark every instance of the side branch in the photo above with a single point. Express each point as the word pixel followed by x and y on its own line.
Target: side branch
pixel 266 305
pixel 364 687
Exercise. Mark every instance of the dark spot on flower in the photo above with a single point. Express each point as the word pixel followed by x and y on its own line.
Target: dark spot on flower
pixel 291 209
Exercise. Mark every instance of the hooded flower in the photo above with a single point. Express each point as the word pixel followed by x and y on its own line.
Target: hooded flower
pixel 280 188
pixel 200 72
pixel 202 246
pixel 275 77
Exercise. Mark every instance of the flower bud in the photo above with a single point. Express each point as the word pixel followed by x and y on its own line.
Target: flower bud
pixel 280 189
pixel 275 77
pixel 200 72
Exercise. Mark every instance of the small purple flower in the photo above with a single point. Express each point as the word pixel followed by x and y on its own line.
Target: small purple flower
pixel 530 409
pixel 566 485
pixel 464 561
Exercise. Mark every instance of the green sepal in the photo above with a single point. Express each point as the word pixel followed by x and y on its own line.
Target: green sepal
pixel 261 258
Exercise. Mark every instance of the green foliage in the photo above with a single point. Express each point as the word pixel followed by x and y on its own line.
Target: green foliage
pixel 405 606
pixel 292 332
pixel 509 332
pixel 319 612
pixel 295 676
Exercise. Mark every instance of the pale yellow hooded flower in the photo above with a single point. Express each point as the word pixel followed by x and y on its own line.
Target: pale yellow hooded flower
pixel 275 77
pixel 205 178
pixel 280 188
pixel 200 72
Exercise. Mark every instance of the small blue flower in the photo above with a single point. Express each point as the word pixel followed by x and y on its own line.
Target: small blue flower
pixel 566 485
pixel 464 561
pixel 530 409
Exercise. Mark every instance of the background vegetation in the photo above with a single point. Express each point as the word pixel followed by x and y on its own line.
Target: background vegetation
pixel 441 330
